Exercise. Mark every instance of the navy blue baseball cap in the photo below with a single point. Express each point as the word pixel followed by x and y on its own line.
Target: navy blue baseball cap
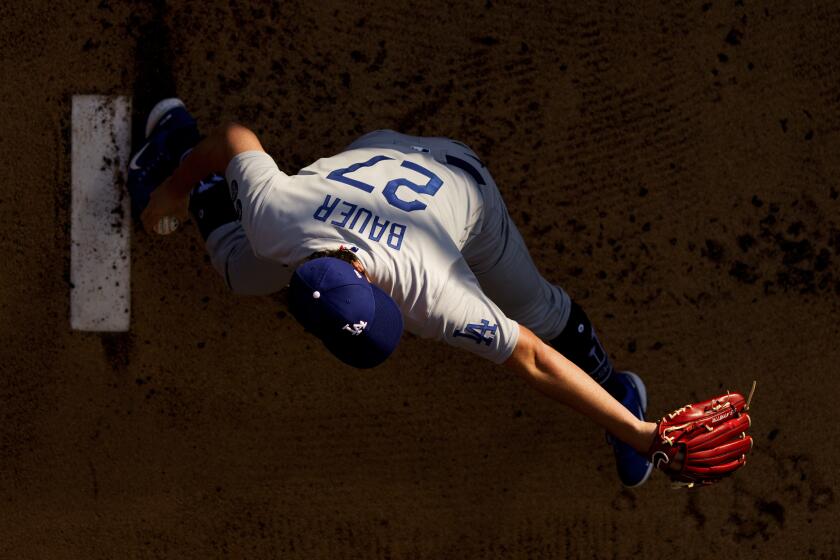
pixel 358 322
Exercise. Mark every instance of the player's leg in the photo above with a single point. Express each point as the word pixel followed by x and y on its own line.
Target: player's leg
pixel 500 260
pixel 171 133
pixel 228 246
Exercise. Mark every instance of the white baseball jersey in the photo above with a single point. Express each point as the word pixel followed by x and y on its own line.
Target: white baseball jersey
pixel 405 215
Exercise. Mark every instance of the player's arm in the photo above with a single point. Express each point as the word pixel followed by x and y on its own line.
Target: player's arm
pixel 555 376
pixel 211 155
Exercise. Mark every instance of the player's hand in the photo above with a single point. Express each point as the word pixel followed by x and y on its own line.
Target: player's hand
pixel 163 206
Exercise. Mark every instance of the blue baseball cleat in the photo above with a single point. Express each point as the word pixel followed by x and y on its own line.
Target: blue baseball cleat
pixel 170 132
pixel 633 469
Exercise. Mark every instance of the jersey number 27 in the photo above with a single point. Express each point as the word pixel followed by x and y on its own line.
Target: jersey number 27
pixel 390 191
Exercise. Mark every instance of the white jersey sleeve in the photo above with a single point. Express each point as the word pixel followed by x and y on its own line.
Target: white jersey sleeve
pixel 251 177
pixel 463 316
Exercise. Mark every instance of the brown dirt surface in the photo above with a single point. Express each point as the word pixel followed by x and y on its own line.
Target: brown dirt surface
pixel 673 167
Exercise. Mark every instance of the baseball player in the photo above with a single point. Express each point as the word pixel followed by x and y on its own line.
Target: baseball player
pixel 394 232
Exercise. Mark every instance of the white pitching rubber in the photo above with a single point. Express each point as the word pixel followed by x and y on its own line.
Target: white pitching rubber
pixel 100 259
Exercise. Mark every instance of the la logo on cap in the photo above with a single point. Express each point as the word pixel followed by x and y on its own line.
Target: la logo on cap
pixel 356 320
pixel 356 329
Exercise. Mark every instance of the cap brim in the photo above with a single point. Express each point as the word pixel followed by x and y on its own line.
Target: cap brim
pixel 379 339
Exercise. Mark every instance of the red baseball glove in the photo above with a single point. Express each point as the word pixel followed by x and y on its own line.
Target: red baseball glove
pixel 702 443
